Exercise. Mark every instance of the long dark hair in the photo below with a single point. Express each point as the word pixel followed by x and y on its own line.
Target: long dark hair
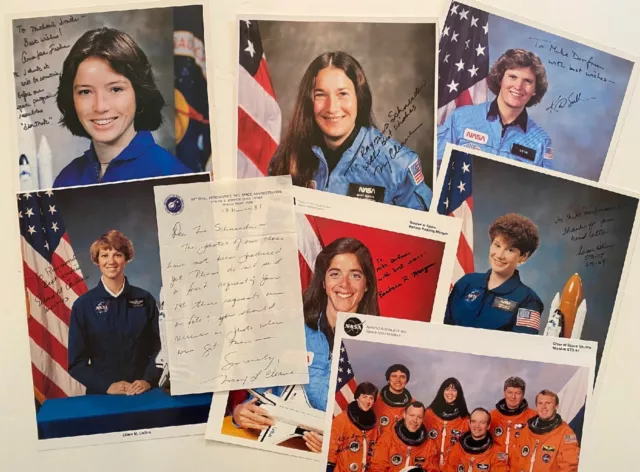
pixel 294 155
pixel 438 403
pixel 126 58
pixel 315 297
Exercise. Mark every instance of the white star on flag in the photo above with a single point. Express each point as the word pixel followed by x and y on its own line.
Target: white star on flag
pixel 20 214
pixel 446 58
pixel 250 48
pixel 49 193
pixel 29 212
pixel 348 371
pixel 32 229
pixel 339 379
pixel 248 23
pixel 474 21
pixel 446 203
pixel 461 186
pixel 465 168
pixel 459 65
pixel 445 31
pixel 463 14
pixel 52 209
pixel 54 227
pixel 46 244
pixel 466 44
pixel 473 71
pixel 480 50
pixel 339 369
pixel 452 86
pixel 454 37
pixel 342 359
pixel 454 9
pixel 341 349
pixel 27 195
pixel 486 28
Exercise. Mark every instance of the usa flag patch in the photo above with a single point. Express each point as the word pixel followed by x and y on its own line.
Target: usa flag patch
pixel 528 318
pixel 416 172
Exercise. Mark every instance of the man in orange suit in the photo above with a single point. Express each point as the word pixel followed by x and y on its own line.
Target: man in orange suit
pixel 511 414
pixel 393 397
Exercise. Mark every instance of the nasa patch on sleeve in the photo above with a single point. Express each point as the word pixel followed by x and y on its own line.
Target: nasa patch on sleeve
pixel 367 192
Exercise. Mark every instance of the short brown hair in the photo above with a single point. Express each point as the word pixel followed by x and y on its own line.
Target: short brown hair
pixel 112 239
pixel 515 382
pixel 366 388
pixel 548 393
pixel 126 58
pixel 518 230
pixel 516 59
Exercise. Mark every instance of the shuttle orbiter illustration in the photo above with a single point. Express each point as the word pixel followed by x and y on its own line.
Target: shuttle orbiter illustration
pixel 568 311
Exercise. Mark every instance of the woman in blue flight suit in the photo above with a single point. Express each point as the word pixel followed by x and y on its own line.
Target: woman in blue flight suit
pixel 107 93
pixel 498 299
pixel 113 332
pixel 332 143
pixel 344 279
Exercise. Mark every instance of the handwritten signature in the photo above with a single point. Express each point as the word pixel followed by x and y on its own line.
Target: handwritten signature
pixel 561 102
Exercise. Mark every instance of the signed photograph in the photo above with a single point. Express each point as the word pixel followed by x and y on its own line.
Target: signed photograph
pixel 540 253
pixel 110 96
pixel 95 315
pixel 521 90
pixel 354 256
pixel 317 101
pixel 442 399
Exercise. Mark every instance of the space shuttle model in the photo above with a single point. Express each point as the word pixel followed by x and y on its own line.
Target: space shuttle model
pixel 568 311
pixel 292 413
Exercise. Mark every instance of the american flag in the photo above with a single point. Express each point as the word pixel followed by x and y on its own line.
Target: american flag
pixel 193 134
pixel 53 281
pixel 456 200
pixel 528 318
pixel 259 117
pixel 463 59
pixel 346 383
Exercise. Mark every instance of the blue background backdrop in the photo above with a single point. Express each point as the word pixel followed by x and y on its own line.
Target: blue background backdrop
pixel 89 212
pixel 500 188
pixel 581 134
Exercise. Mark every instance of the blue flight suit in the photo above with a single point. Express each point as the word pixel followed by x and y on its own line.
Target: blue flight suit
pixel 113 339
pixel 381 165
pixel 141 159
pixel 507 307
pixel 479 127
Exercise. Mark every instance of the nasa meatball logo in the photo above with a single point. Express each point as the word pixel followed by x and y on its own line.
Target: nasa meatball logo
pixel 546 458
pixel 354 446
pixel 353 326
pixel 396 459
pixel 433 434
pixel 525 451
pixel 353 467
pixel 173 204
pixel 471 296
pixel 384 420
pixel 499 431
pixel 102 307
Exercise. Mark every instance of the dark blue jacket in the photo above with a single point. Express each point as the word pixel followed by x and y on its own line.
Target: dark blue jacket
pixel 113 339
pixel 141 159
pixel 511 306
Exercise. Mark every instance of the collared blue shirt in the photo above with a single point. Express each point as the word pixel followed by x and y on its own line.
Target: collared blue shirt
pixel 375 166
pixel 472 304
pixel 113 338
pixel 475 127
pixel 142 158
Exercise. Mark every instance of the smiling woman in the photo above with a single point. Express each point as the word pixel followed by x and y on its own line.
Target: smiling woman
pixel 332 143
pixel 107 93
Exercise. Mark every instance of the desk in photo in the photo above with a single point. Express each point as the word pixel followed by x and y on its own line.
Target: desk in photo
pixel 98 414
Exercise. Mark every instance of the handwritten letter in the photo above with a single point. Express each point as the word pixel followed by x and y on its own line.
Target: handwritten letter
pixel 231 285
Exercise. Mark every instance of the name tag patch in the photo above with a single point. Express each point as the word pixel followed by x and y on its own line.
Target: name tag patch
pixel 367 192
pixel 504 304
pixel 136 303
pixel 523 151
pixel 475 136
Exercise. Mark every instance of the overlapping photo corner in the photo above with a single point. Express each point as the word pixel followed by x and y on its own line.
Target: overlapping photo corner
pixel 574 93
pixel 405 258
pixel 160 52
pixel 76 355
pixel 382 137
pixel 569 284
pixel 434 358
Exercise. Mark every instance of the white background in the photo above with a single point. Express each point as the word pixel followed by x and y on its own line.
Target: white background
pixel 612 23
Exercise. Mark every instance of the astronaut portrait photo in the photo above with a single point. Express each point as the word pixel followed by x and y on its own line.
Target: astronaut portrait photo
pixel 540 254
pixel 113 99
pixel 95 314
pixel 528 93
pixel 342 118
pixel 465 411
